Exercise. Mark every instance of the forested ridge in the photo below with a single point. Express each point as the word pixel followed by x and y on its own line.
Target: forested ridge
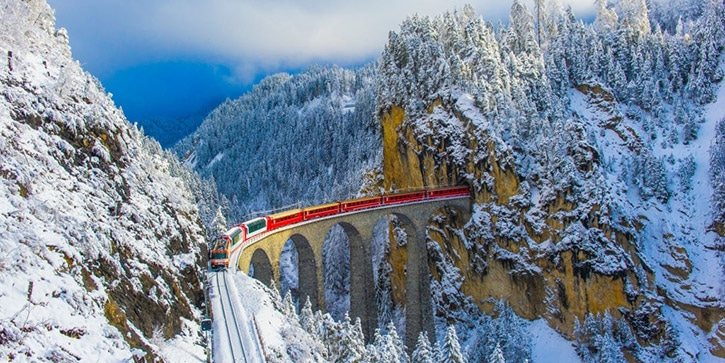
pixel 308 138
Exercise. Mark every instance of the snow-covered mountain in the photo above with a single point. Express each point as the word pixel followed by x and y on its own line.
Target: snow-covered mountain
pixel 595 152
pixel 100 238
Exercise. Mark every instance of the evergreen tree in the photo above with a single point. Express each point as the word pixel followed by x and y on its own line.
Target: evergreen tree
pixel 423 352
pixel 387 348
pixel 497 355
pixel 451 349
pixel 606 19
pixel 598 340
pixel 396 344
pixel 219 224
pixel 634 19
pixel 288 306
pixel 523 36
pixel 275 292
pixel 336 270
pixel 348 345
pixel 307 318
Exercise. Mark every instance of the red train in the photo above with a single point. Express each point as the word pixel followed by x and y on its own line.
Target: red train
pixel 237 236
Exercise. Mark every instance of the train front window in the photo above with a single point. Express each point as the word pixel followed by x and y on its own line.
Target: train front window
pixel 218 255
pixel 220 244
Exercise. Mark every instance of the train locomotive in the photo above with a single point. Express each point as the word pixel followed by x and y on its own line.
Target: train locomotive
pixel 236 237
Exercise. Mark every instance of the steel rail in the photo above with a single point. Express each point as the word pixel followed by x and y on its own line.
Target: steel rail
pixel 234 319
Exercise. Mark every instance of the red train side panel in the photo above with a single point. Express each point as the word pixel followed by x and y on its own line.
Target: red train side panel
pixel 403 197
pixel 285 218
pixel 356 204
pixel 322 211
pixel 448 192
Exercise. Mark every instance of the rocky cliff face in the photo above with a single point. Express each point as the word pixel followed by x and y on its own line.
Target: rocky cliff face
pixel 532 253
pixel 100 244
pixel 492 268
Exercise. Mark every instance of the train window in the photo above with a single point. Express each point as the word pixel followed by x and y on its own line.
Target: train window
pixel 256 225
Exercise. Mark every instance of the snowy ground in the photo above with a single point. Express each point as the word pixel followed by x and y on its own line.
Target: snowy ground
pixel 548 346
pixel 240 337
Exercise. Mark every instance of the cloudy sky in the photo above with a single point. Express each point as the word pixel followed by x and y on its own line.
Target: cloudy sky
pixel 168 58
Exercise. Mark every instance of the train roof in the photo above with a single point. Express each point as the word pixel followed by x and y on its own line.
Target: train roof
pixel 230 232
pixel 252 220
pixel 321 206
pixel 362 199
pixel 285 213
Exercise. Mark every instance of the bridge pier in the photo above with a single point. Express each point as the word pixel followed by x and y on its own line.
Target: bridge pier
pixel 418 305
pixel 362 286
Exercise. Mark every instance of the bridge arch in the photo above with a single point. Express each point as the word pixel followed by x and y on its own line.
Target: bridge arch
pixel 261 267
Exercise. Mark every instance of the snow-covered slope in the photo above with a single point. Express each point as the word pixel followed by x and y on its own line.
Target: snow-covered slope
pixel 99 244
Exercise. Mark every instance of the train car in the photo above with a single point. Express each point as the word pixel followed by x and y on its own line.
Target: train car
pixel 254 227
pixel 448 192
pixel 282 219
pixel 403 197
pixel 363 203
pixel 321 211
pixel 220 250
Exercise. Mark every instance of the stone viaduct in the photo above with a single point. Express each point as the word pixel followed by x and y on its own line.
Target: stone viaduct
pixel 308 238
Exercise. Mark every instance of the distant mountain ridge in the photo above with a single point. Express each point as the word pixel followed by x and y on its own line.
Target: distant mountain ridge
pixel 168 131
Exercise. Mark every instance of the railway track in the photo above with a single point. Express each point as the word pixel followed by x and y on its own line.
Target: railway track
pixel 229 316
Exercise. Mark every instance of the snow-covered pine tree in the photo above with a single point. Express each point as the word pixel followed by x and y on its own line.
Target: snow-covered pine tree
pixel 451 348
pixel 276 297
pixel 606 18
pixel 288 306
pixel 289 272
pixel 330 332
pixel 219 224
pixel 510 334
pixel 423 352
pixel 397 344
pixel 307 318
pixel 633 18
pixel 497 355
pixel 352 341
pixel 709 36
pixel 387 348
pixel 374 351
pixel 600 339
